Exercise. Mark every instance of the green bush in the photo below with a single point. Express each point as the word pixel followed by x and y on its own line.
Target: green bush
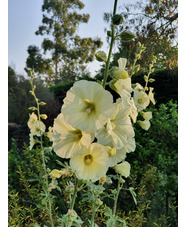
pixel 159 147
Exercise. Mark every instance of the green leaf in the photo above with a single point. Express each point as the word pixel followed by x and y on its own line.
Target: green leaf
pixel 133 194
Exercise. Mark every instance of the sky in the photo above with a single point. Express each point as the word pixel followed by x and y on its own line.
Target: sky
pixel 25 16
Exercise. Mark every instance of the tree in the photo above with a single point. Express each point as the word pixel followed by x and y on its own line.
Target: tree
pixel 155 24
pixel 68 51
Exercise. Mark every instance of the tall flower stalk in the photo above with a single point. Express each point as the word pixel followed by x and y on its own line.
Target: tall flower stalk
pixel 111 46
pixel 48 204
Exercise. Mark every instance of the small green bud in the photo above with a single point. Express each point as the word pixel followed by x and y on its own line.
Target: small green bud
pixel 118 73
pixel 151 80
pixel 137 68
pixel 145 78
pixel 114 192
pixel 42 103
pixel 127 36
pixel 122 181
pixel 117 19
pixel 138 44
pixel 111 84
pixel 32 108
pixel 31 92
pixel 109 33
pixel 137 56
pixel 43 116
pixel 146 89
pixel 152 70
pixel 101 56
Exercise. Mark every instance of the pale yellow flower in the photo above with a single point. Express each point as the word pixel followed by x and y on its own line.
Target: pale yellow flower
pixel 141 100
pixel 123 84
pixel 87 106
pixel 147 115
pixel 123 169
pixel 118 127
pixel 32 120
pixel 68 141
pixel 92 164
pixel 115 156
pixel 38 128
pixel 130 145
pixel 151 95
pixel 144 124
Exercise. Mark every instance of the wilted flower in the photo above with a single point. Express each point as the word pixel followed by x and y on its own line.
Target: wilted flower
pixel 32 120
pixel 133 111
pixel 32 141
pixel 38 128
pixel 68 141
pixel 144 124
pixel 123 169
pixel 151 95
pixel 87 106
pixel 92 164
pixel 56 173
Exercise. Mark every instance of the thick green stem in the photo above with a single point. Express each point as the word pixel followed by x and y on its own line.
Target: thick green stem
pixel 110 50
pixel 93 212
pixel 116 197
pixel 74 195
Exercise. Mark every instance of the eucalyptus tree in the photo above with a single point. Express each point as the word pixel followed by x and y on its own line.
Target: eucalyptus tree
pixel 155 23
pixel 64 52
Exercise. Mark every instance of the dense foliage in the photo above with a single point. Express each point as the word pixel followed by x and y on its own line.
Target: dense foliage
pixel 153 175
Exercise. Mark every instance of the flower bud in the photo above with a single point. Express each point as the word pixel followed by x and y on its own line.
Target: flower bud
pixel 123 169
pixel 109 33
pixel 32 108
pixel 118 73
pixel 101 56
pixel 122 181
pixel 99 202
pixel 42 103
pixel 43 116
pixel 145 78
pixel 117 19
pixel 127 36
pixel 151 80
pixel 55 173
pixel 137 68
pixel 102 180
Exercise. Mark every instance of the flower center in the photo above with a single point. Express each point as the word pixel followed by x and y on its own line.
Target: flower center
pixel 77 133
pixel 112 152
pixel 88 159
pixel 140 100
pixel 89 107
